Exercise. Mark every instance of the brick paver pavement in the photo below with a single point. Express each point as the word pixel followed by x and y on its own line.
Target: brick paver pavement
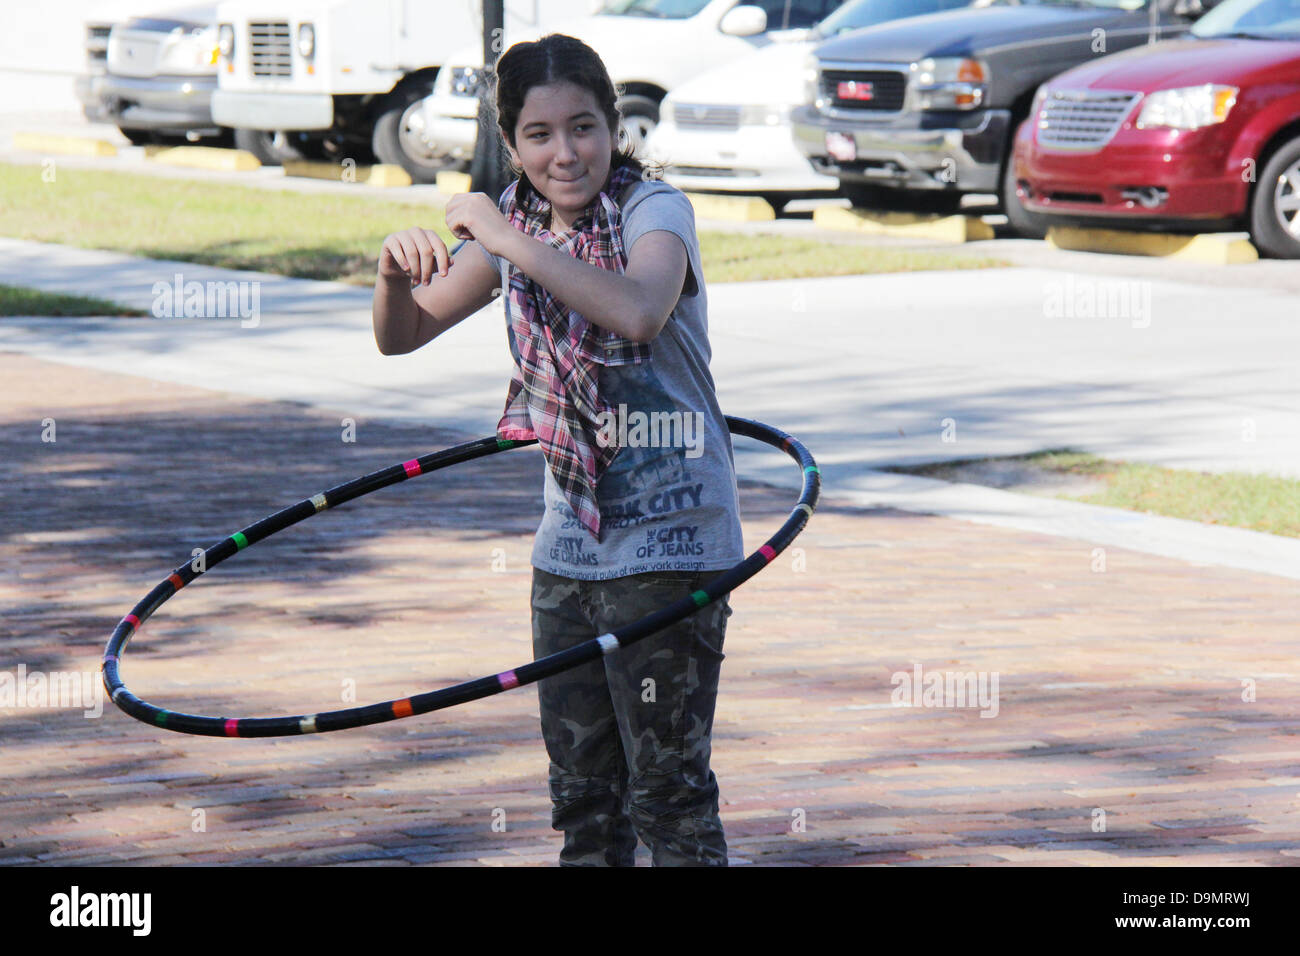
pixel 1123 694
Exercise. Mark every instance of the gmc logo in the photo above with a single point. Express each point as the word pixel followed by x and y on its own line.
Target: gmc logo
pixel 855 90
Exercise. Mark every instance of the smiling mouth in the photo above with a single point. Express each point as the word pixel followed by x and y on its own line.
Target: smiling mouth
pixel 558 180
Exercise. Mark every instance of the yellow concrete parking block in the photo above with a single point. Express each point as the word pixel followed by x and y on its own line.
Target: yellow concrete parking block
pixel 206 157
pixel 385 174
pixel 65 145
pixel 906 224
pixel 451 183
pixel 1219 249
pixel 735 208
pixel 378 175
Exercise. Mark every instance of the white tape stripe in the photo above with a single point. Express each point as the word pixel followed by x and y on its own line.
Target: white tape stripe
pixel 318 501
pixel 804 507
pixel 608 643
pixel 308 724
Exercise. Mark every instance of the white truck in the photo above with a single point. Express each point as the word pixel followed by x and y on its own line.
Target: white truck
pixel 343 78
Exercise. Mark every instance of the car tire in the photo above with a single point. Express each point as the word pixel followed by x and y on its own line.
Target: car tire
pixel 1026 224
pixel 640 117
pixel 271 148
pixel 886 199
pixel 394 139
pixel 777 201
pixel 1275 205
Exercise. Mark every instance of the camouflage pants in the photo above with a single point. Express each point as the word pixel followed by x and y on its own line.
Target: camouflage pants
pixel 628 734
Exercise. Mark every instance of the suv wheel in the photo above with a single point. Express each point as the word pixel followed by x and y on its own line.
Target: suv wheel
pixel 271 148
pixel 397 139
pixel 640 117
pixel 1275 205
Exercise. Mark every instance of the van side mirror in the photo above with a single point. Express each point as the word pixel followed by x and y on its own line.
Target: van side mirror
pixel 745 20
pixel 1188 8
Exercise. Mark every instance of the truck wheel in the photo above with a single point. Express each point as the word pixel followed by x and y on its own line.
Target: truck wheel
pixel 397 141
pixel 138 137
pixel 1275 205
pixel 640 117
pixel 1026 224
pixel 271 148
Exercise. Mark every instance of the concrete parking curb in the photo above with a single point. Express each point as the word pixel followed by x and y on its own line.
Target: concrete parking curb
pixel 735 208
pixel 1217 249
pixel 66 145
pixel 451 183
pixel 207 157
pixel 381 174
pixel 941 228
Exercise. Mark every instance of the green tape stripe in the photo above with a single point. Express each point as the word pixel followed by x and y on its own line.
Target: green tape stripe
pixel 700 598
pixel 503 443
pixel 161 719
pixel 812 468
pixel 240 541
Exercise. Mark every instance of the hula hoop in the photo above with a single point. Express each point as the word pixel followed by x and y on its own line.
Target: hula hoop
pixel 459 693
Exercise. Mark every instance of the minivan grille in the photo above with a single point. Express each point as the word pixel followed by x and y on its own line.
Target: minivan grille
pixel 1083 119
pixel 270 48
pixel 878 90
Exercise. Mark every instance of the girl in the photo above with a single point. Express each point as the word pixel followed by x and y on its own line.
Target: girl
pixel 606 308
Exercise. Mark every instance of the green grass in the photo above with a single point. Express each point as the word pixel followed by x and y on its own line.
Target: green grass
pixel 338 237
pixel 19 301
pixel 1266 503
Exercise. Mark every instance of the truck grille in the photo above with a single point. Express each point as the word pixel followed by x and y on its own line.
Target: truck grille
pixel 270 48
pixel 1082 119
pixel 689 116
pixel 881 91
pixel 134 52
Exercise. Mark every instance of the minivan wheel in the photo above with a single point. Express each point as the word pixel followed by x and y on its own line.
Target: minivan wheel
pixel 1026 224
pixel 272 148
pixel 1275 205
pixel 396 138
pixel 640 115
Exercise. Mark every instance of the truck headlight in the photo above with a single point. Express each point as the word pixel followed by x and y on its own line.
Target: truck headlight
pixel 766 114
pixel 226 40
pixel 1188 107
pixel 949 83
pixel 306 40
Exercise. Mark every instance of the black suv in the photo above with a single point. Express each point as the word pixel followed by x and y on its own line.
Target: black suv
pixel 915 114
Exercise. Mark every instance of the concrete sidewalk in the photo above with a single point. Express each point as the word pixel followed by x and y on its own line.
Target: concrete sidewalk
pixel 942 366
pixel 1145 712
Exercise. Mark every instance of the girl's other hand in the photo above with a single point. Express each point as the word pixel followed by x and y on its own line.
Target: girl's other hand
pixel 416 253
pixel 475 216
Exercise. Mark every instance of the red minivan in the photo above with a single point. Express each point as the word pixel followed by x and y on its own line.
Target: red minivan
pixel 1199 133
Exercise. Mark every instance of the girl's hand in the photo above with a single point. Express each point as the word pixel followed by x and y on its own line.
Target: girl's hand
pixel 475 216
pixel 415 253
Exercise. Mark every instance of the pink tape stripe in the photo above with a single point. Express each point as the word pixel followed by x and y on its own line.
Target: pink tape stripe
pixel 412 468
pixel 767 552
pixel 232 727
pixel 507 680
pixel 132 620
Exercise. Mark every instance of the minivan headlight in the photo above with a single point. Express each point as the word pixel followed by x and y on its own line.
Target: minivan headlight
pixel 1188 107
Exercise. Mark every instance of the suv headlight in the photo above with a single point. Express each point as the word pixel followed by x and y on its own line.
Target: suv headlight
pixel 226 40
pixel 465 80
pixel 193 52
pixel 767 114
pixel 811 76
pixel 949 83
pixel 1188 107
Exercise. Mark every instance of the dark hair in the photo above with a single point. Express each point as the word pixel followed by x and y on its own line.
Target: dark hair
pixel 557 58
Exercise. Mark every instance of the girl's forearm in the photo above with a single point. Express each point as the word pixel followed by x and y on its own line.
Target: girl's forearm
pixel 396 315
pixel 604 298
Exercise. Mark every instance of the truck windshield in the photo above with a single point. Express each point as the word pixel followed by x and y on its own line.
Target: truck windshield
pixel 1259 19
pixel 660 9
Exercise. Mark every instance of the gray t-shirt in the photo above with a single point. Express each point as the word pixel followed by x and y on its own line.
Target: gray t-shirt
pixel 668 501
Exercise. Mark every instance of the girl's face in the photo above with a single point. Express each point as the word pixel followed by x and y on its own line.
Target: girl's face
pixel 563 144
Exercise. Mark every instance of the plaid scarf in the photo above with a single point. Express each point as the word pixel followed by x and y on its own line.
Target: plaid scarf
pixel 554 394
